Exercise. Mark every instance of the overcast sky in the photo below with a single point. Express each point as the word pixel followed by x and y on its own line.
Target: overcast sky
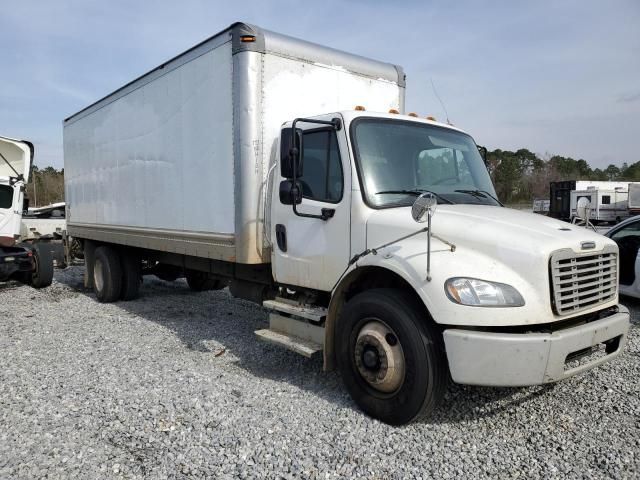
pixel 554 77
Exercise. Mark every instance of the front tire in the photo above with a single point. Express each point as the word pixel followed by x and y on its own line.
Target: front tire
pixel 107 275
pixel 391 358
pixel 42 275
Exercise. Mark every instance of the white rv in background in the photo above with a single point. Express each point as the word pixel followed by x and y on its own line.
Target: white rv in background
pixel 634 199
pixel 607 205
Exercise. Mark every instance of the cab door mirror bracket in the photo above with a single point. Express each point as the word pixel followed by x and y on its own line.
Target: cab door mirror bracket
pixel 291 165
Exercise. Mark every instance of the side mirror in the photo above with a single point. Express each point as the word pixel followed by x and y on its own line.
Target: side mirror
pixel 290 192
pixel 424 205
pixel 290 152
pixel 483 153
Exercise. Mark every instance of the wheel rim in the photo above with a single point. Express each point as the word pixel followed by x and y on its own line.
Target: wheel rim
pixel 36 267
pixel 98 279
pixel 379 357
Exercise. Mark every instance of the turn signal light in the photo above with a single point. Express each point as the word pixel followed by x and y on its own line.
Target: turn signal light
pixel 247 38
pixel 359 108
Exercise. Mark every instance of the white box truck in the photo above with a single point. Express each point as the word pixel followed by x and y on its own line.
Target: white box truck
pixel 245 162
pixel 25 258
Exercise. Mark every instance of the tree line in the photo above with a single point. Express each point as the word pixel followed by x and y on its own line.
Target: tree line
pixel 518 176
pixel 522 175
pixel 46 186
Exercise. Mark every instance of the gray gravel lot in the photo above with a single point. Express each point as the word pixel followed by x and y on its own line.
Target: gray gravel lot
pixel 174 385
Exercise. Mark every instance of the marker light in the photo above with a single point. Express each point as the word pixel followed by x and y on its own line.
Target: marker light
pixel 247 38
pixel 413 114
pixel 359 108
pixel 394 111
pixel 431 118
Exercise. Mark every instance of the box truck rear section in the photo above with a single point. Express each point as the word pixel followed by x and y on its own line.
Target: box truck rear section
pixel 243 162
pixel 176 162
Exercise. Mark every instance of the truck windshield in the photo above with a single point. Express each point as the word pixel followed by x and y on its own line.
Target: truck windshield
pixel 6 196
pixel 398 158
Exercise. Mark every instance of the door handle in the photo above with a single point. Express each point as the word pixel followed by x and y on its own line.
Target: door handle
pixel 328 213
pixel 281 237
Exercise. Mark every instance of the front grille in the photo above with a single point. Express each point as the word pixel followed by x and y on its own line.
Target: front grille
pixel 582 281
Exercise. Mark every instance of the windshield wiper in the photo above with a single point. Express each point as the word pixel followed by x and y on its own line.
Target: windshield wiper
pixel 416 193
pixel 481 194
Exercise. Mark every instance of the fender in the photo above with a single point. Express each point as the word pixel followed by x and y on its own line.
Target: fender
pixel 370 274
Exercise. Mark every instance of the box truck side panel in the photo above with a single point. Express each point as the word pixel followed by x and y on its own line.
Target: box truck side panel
pixel 166 148
pixel 293 88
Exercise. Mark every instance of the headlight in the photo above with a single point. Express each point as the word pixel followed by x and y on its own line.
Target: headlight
pixel 480 293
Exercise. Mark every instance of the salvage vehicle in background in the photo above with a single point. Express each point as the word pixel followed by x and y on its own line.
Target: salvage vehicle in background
pixel 251 161
pixel 627 235
pixel 29 260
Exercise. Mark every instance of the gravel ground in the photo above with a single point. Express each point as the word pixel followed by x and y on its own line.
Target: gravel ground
pixel 174 385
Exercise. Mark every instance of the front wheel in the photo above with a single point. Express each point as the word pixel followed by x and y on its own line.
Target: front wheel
pixel 391 358
pixel 42 275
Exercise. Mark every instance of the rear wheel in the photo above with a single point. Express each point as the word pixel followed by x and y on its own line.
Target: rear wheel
pixel 131 276
pixel 42 274
pixel 391 359
pixel 201 281
pixel 107 274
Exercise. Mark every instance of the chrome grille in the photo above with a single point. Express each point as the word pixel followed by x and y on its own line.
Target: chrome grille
pixel 582 281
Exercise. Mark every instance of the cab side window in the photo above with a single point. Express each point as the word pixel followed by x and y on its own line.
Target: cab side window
pixel 322 177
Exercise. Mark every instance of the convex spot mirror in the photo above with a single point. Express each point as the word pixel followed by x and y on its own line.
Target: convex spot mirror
pixel 290 153
pixel 424 204
pixel 290 192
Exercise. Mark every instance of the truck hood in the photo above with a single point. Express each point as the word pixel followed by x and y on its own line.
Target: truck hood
pixel 491 243
pixel 497 231
pixel 18 154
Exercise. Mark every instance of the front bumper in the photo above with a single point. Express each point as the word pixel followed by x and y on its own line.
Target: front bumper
pixel 522 359
pixel 13 260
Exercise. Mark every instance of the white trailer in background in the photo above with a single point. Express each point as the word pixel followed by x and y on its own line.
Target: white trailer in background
pixel 606 205
pixel 209 166
pixel 634 198
pixel 541 206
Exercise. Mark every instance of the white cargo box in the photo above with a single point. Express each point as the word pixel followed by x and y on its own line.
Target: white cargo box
pixel 177 160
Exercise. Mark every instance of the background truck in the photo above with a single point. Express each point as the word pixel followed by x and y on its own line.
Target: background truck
pixel 249 161
pixel 606 205
pixel 560 194
pixel 29 260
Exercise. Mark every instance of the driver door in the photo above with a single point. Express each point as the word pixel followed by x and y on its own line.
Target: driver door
pixel 311 252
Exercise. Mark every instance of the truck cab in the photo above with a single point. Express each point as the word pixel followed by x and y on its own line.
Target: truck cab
pixel 487 294
pixel 28 262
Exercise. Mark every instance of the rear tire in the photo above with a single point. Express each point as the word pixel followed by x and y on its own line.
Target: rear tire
pixel 107 274
pixel 201 281
pixel 42 274
pixel 390 357
pixel 131 276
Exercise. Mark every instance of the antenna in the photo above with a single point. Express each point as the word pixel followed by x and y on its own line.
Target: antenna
pixel 435 92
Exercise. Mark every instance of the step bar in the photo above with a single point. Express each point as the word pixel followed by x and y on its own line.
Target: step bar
pixel 299 336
